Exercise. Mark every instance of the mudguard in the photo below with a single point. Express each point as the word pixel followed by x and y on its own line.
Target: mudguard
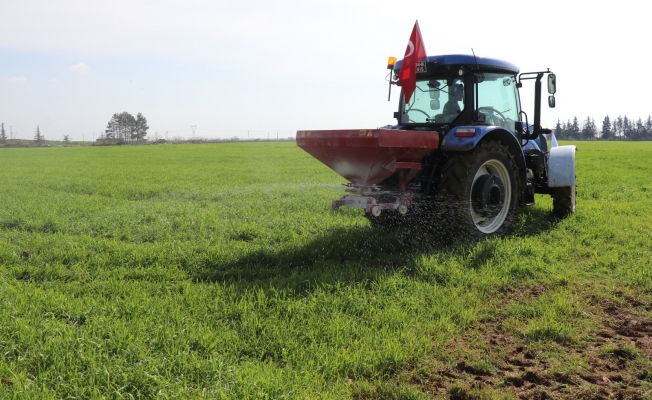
pixel 452 142
pixel 465 143
pixel 532 145
pixel 561 166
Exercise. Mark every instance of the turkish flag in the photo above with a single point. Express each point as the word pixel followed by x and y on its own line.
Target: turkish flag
pixel 416 51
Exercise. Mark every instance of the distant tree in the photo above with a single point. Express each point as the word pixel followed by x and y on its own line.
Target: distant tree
pixel 3 134
pixel 558 129
pixel 574 129
pixel 568 130
pixel 66 139
pixel 124 127
pixel 128 122
pixel 110 131
pixel 564 130
pixel 140 127
pixel 115 128
pixel 648 128
pixel 627 127
pixel 638 130
pixel 589 131
pixel 130 125
pixel 38 137
pixel 606 128
pixel 618 126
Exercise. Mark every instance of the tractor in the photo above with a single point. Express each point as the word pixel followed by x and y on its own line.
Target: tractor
pixel 461 146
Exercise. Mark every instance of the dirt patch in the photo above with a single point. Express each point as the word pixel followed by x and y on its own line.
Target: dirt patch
pixel 613 362
pixel 523 294
pixel 625 326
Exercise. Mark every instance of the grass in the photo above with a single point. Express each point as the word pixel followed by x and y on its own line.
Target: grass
pixel 219 271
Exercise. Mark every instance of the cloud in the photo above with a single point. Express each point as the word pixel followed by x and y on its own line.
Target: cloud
pixel 80 68
pixel 17 80
pixel 54 80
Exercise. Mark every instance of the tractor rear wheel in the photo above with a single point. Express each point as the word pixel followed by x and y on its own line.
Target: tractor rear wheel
pixel 563 201
pixel 480 190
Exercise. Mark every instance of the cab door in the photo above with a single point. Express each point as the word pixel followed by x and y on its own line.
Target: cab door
pixel 497 100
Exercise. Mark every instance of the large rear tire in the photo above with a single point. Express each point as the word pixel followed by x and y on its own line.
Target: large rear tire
pixel 479 190
pixel 563 201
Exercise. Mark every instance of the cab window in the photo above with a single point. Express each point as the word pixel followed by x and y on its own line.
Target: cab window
pixel 434 101
pixel 498 100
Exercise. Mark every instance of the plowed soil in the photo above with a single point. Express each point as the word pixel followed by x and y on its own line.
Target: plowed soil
pixel 609 360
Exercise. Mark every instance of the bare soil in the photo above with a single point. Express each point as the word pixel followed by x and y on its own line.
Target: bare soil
pixel 611 363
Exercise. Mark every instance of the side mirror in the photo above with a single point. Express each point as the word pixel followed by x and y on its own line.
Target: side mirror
pixel 434 104
pixel 552 84
pixel 551 101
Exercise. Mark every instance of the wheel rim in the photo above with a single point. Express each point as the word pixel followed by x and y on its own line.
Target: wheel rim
pixel 491 224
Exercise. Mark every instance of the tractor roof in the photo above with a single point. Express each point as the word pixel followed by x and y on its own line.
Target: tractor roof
pixel 451 60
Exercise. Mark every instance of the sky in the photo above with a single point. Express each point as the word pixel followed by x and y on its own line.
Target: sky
pixel 252 68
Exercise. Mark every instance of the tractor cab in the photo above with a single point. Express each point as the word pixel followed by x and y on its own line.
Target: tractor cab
pixel 458 90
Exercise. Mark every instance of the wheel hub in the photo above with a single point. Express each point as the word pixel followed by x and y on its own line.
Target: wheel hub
pixel 488 196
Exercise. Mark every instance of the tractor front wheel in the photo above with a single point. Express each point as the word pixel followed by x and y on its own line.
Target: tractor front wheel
pixel 563 201
pixel 479 189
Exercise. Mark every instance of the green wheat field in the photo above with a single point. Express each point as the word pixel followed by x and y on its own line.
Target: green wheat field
pixel 219 271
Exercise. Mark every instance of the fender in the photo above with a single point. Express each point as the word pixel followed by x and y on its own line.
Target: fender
pixel 466 143
pixel 532 144
pixel 561 166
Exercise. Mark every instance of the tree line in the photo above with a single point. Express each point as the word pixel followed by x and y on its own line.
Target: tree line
pixel 621 128
pixel 3 134
pixel 125 128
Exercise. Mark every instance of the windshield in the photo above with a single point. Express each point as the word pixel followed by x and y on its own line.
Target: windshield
pixel 434 100
pixel 498 100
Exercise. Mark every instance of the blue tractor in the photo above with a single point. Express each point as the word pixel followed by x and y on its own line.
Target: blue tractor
pixel 462 148
pixel 491 160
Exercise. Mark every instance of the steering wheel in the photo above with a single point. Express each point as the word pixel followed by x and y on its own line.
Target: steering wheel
pixel 421 111
pixel 494 112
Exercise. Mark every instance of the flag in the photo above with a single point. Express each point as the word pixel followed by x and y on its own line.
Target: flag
pixel 415 51
pixel 553 139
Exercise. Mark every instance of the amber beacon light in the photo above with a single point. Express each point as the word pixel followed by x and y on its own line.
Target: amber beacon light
pixel 390 62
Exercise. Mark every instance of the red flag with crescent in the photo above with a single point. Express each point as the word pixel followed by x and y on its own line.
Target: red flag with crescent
pixel 416 51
